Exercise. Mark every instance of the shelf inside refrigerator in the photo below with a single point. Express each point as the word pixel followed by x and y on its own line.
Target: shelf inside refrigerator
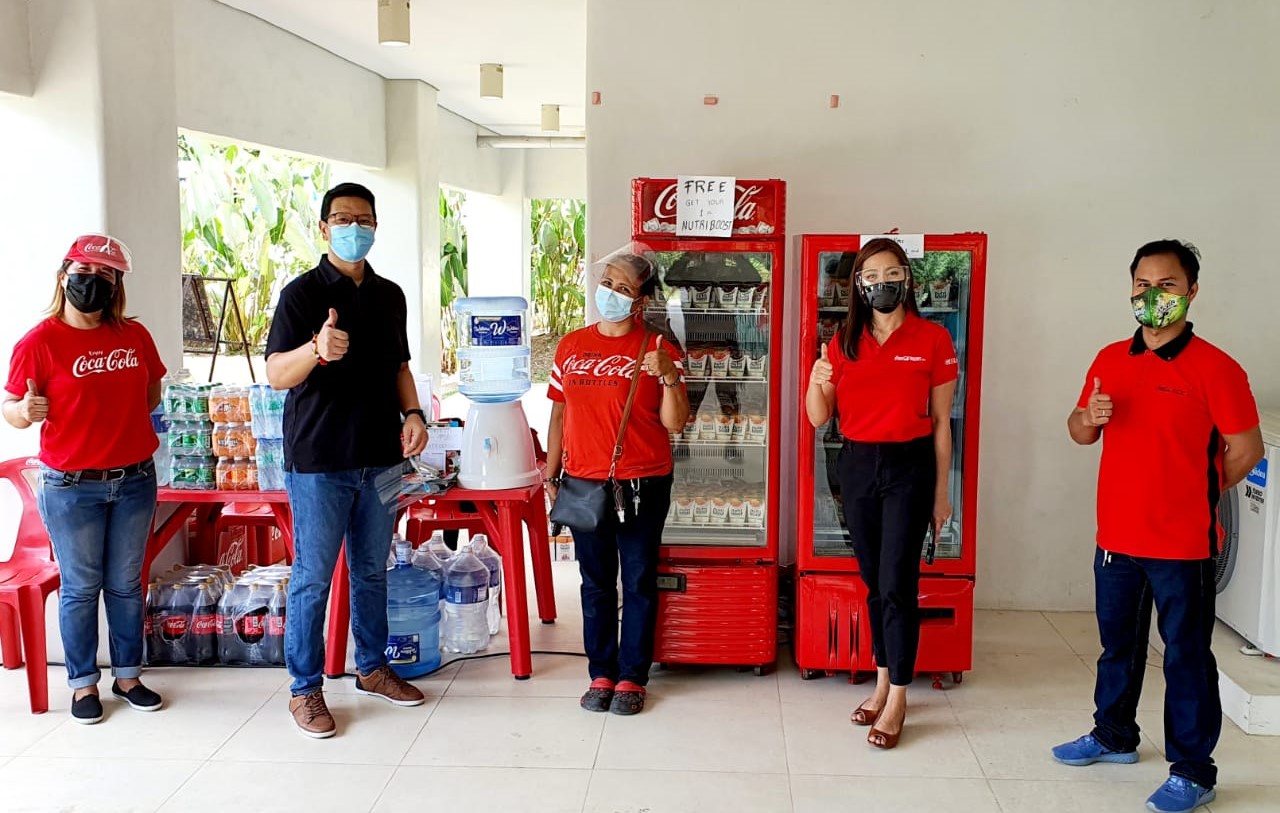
pixel 677 533
pixel 726 380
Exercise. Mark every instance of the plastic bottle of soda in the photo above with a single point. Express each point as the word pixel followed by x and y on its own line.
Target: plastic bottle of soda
pixel 151 640
pixel 175 620
pixel 203 637
pixel 273 643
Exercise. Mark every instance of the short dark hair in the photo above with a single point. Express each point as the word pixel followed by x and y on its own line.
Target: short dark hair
pixel 1187 254
pixel 347 190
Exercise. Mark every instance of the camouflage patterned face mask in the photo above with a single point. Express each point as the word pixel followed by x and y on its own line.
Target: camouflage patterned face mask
pixel 1157 309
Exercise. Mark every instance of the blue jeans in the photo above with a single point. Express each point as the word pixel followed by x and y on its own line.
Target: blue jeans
pixel 633 544
pixel 1183 594
pixel 325 508
pixel 99 532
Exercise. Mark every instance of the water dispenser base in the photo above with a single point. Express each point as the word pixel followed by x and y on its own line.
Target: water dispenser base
pixel 497 449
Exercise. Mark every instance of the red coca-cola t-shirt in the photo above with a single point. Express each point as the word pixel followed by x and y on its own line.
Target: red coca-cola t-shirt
pixel 96 382
pixel 591 377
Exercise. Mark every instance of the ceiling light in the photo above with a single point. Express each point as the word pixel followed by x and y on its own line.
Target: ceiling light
pixel 551 118
pixel 490 81
pixel 393 22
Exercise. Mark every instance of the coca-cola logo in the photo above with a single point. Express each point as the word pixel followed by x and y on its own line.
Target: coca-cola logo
pixel 615 366
pixel 744 208
pixel 98 362
pixel 105 248
pixel 174 626
pixel 204 625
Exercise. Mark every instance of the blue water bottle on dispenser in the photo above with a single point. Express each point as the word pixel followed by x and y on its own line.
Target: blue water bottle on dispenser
pixel 493 372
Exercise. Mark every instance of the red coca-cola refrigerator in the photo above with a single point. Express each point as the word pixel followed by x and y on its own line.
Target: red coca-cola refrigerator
pixel 832 630
pixel 718 571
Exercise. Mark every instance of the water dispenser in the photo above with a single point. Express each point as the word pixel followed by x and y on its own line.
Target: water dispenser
pixel 493 372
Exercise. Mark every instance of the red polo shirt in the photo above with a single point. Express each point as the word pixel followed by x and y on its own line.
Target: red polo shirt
pixel 883 396
pixel 591 377
pixel 1161 471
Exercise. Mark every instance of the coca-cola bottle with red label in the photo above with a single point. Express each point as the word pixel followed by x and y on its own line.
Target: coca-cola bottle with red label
pixel 175 620
pixel 273 644
pixel 152 645
pixel 202 639
pixel 251 625
pixel 231 650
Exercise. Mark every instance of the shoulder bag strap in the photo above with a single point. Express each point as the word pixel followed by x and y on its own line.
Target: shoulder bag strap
pixel 631 399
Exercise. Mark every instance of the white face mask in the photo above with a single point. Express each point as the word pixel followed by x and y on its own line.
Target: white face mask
pixel 613 306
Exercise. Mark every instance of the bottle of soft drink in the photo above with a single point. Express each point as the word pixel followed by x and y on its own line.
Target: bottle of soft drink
pixel 274 641
pixel 413 615
pixel 230 649
pixel 151 640
pixel 202 640
pixel 175 622
pixel 480 547
pixel 466 609
pixel 251 624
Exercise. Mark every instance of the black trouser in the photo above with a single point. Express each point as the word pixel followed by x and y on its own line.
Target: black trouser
pixel 635 544
pixel 888 491
pixel 1183 593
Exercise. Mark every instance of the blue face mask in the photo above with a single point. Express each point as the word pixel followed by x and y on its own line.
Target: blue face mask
pixel 351 243
pixel 613 306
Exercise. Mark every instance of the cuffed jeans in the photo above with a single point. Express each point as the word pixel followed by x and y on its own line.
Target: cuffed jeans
pixel 327 507
pixel 99 531
pixel 633 544
pixel 888 493
pixel 1183 593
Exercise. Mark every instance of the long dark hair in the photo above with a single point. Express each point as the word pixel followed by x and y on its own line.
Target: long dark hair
pixel 858 320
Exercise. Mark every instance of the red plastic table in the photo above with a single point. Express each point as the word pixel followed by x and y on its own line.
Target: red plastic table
pixel 187 502
pixel 502 513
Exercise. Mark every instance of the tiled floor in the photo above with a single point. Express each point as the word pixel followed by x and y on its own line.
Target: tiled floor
pixel 711 741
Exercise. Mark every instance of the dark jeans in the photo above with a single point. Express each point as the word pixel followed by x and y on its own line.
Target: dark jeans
pixel 633 543
pixel 887 489
pixel 326 509
pixel 1183 593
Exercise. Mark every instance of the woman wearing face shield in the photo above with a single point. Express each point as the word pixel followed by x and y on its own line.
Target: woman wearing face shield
pixel 590 383
pixel 890 375
pixel 91 376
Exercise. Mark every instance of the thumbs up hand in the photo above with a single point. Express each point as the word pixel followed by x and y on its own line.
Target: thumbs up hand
pixel 33 407
pixel 331 343
pixel 822 369
pixel 657 362
pixel 1098 412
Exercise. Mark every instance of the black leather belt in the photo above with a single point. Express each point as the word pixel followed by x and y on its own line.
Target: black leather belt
pixel 106 475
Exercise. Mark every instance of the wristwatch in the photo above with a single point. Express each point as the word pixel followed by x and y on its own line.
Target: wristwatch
pixel 417 412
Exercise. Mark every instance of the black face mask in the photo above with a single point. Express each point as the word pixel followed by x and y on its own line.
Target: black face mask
pixel 89 293
pixel 885 296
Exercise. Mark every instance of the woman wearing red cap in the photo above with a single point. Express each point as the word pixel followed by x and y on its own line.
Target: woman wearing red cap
pixel 91 376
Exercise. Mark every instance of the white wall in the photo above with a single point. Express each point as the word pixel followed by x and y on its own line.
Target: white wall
pixel 1070 131
pixel 15 55
pixel 464 165
pixel 555 174
pixel 242 78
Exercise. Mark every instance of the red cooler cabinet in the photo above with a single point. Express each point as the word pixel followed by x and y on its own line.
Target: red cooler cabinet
pixel 718 591
pixel 950 284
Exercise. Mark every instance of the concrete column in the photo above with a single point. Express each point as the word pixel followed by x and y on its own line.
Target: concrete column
pixel 497 235
pixel 408 192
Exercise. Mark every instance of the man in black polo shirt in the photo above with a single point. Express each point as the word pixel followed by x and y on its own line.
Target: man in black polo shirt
pixel 1178 426
pixel 338 344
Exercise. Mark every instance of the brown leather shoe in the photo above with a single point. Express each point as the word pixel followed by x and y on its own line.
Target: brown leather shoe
pixel 385 683
pixel 312 715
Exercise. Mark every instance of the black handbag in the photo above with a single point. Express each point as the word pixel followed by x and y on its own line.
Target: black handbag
pixel 581 503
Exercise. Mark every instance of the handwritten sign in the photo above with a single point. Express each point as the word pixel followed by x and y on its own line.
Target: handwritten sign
pixel 913 244
pixel 704 206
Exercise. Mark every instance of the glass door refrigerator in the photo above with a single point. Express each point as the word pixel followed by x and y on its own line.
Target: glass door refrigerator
pixel 832 631
pixel 718 571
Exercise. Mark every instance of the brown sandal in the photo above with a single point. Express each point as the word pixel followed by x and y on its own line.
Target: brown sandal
pixel 864 716
pixel 883 740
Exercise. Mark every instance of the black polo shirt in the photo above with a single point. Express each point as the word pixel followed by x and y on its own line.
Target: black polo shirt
pixel 346 414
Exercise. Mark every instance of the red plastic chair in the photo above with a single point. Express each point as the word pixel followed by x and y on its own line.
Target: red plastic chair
pixel 26 581
pixel 258 522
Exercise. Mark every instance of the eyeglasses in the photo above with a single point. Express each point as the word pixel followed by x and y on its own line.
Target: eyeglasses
pixel 875 276
pixel 346 220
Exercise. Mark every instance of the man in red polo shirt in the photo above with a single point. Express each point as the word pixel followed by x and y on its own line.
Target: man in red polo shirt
pixel 1179 426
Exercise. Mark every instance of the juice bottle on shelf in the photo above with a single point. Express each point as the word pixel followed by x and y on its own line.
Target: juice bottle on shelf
pixel 251 475
pixel 223 474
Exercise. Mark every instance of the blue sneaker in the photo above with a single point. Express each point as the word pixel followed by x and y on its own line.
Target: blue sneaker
pixel 1179 795
pixel 1087 750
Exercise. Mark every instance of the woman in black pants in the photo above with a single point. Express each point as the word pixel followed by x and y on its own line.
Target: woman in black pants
pixel 891 376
